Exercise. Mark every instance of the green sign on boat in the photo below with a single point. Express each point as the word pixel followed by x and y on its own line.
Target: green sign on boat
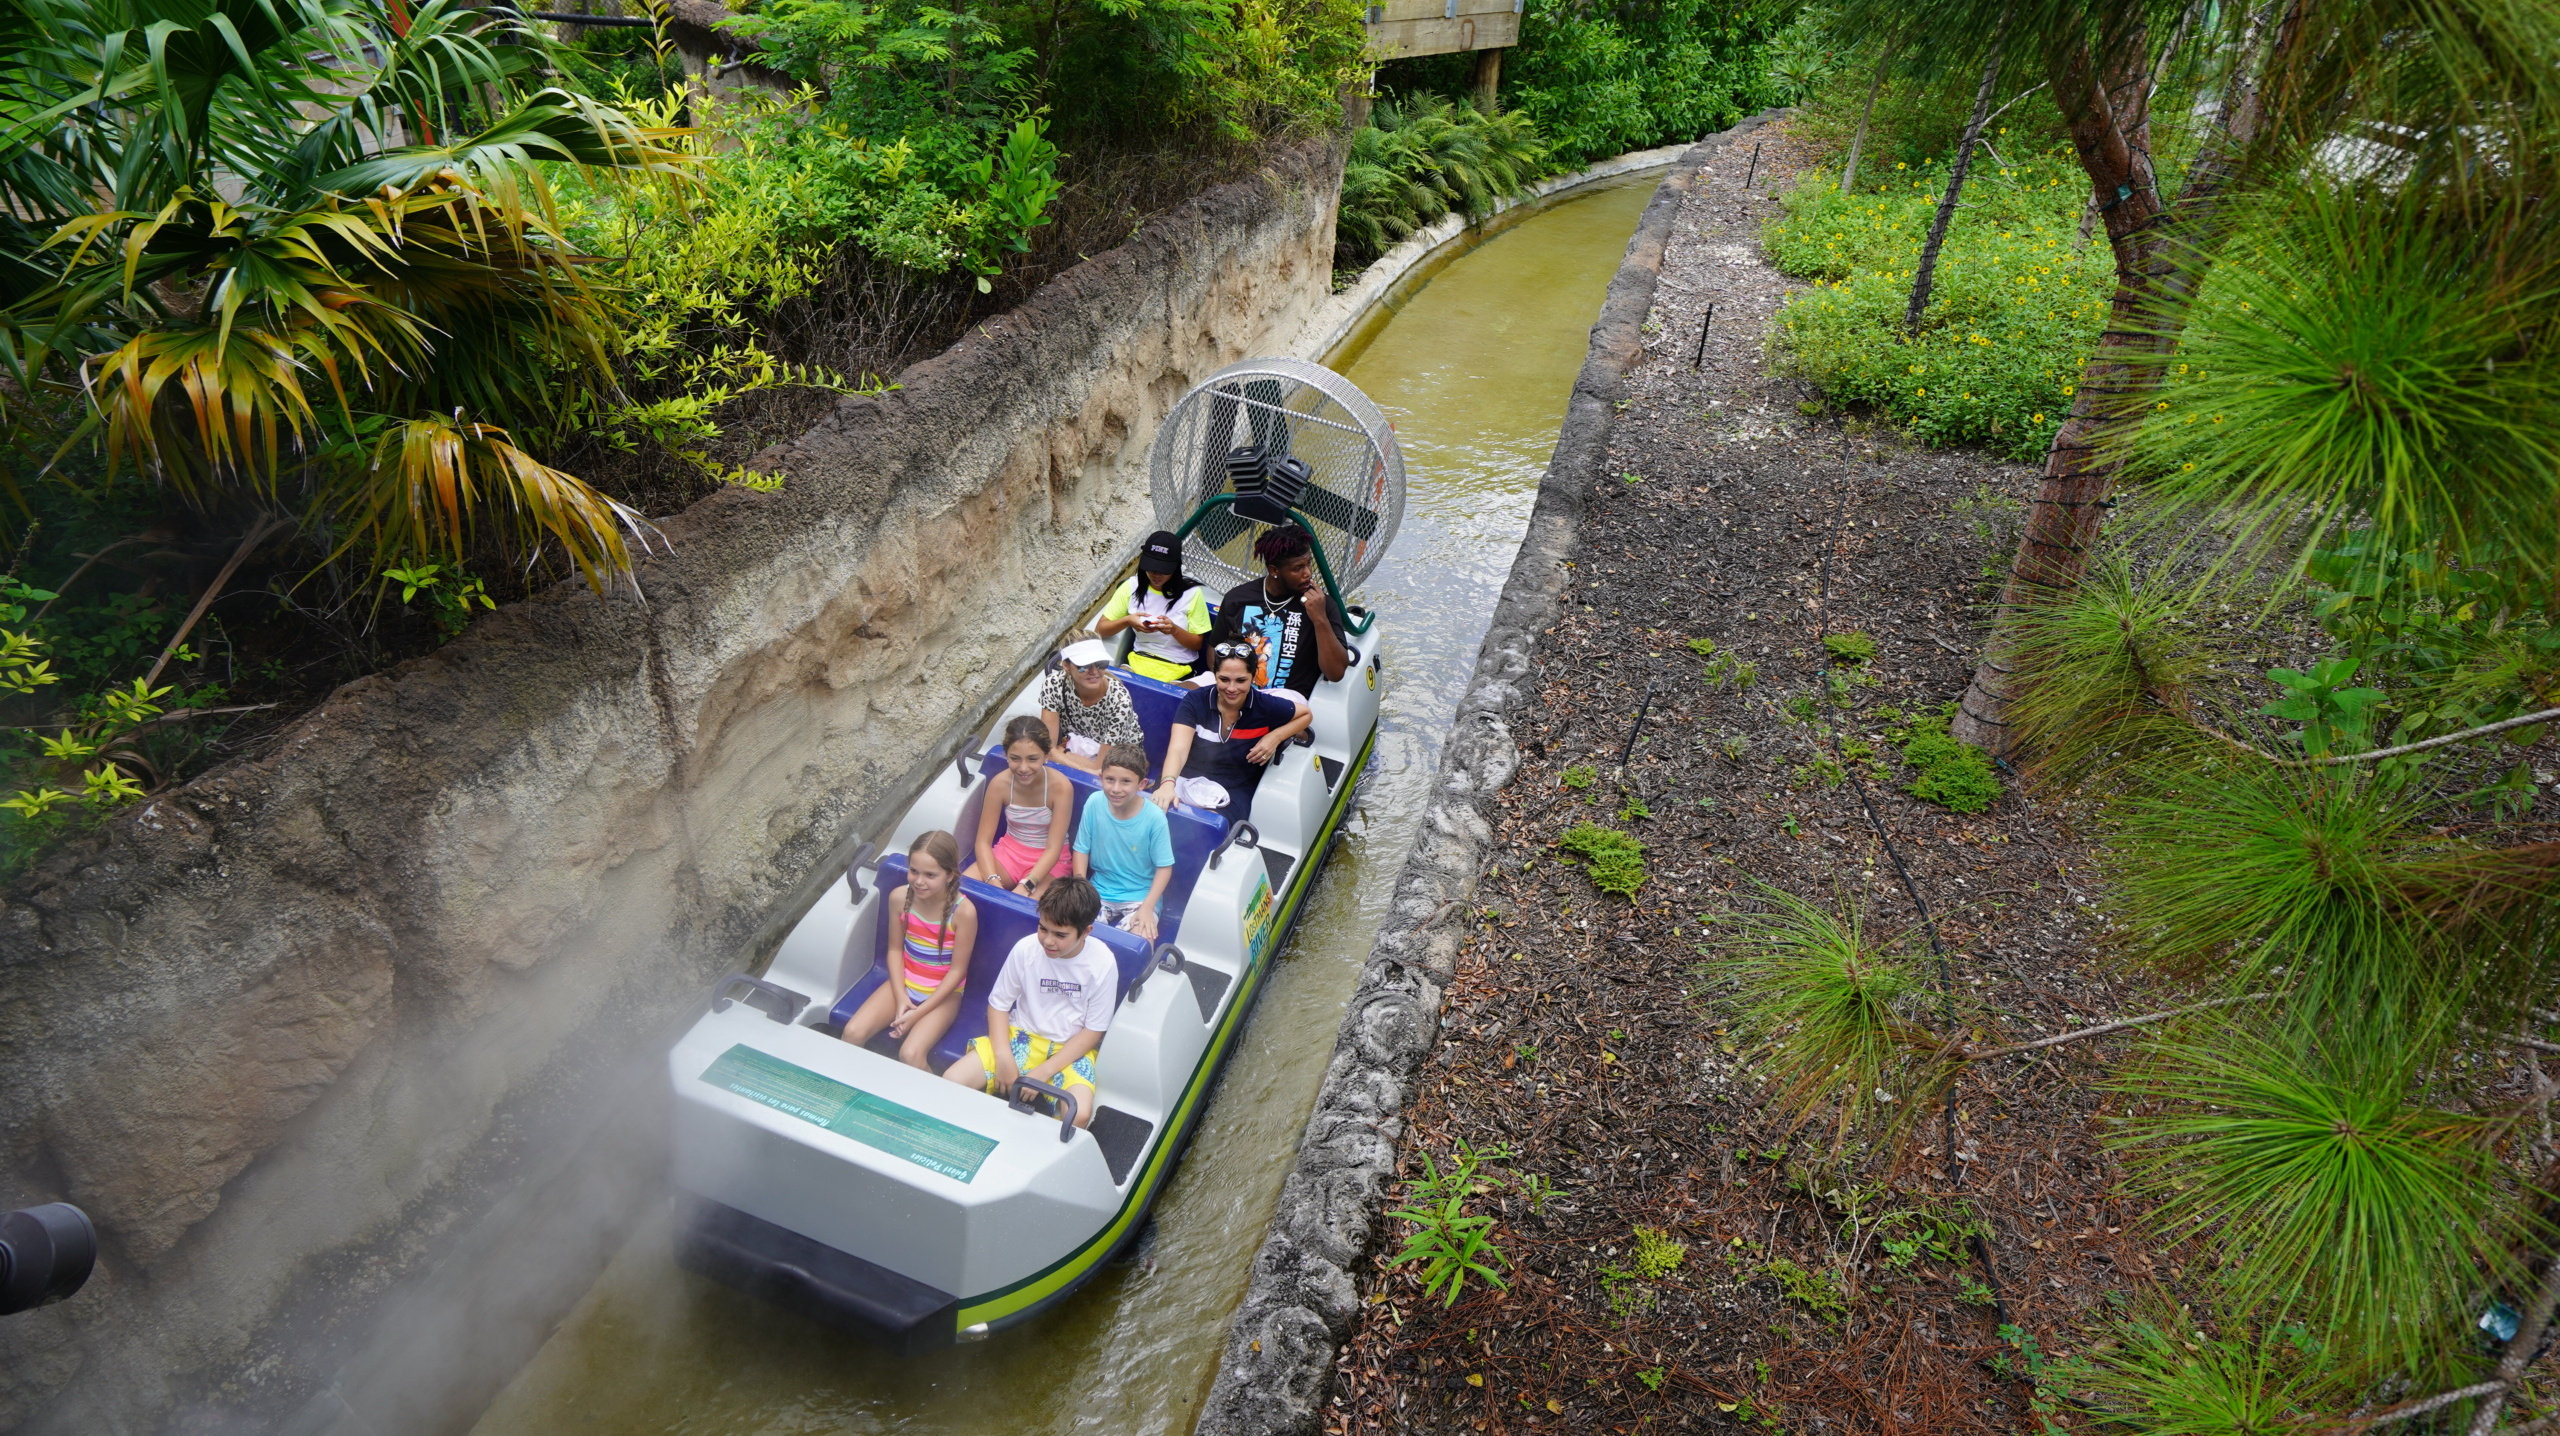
pixel 902 1132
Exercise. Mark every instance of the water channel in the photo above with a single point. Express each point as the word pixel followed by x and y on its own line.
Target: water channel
pixel 1474 368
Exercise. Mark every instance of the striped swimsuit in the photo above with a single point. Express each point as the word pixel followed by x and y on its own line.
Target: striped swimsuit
pixel 928 953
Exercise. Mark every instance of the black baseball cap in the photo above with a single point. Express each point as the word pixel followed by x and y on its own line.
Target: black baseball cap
pixel 1161 553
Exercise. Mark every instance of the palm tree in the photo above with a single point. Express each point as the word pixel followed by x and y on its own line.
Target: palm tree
pixel 300 254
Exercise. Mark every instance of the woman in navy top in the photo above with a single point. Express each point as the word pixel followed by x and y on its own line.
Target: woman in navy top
pixel 1224 738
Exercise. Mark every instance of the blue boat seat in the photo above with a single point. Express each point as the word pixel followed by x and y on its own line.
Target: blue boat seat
pixel 1195 834
pixel 1003 919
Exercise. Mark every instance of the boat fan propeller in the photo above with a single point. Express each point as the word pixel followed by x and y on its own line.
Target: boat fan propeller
pixel 1262 441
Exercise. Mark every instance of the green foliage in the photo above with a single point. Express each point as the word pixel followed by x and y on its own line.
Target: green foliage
pixel 1423 158
pixel 1829 1011
pixel 2336 1199
pixel 1656 1254
pixel 1579 776
pixel 2109 665
pixel 1599 82
pixel 2329 711
pixel 1448 1242
pixel 1851 647
pixel 2156 1371
pixel 2401 384
pixel 1819 1291
pixel 2014 310
pixel 189 266
pixel 1944 771
pixel 1614 860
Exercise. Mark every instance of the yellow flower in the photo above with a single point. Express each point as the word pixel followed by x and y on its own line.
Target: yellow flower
pixel 2066 388
pixel 2038 419
pixel 1924 393
pixel 2182 468
pixel 2163 404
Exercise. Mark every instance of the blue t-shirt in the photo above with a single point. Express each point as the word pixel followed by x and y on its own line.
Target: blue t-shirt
pixel 1124 855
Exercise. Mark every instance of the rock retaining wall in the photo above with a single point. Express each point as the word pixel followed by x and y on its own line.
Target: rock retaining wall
pixel 1281 1346
pixel 294 1032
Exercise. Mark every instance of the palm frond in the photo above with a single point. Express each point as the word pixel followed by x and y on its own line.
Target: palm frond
pixel 434 477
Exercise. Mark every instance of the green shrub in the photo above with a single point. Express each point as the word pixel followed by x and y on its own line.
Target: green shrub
pixel 1851 647
pixel 1615 860
pixel 1944 771
pixel 2014 309
pixel 1598 82
pixel 1423 158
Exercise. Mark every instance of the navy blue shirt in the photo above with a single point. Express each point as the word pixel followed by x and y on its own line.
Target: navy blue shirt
pixel 1219 753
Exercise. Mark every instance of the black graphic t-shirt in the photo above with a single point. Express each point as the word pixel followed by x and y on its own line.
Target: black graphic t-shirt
pixel 1282 633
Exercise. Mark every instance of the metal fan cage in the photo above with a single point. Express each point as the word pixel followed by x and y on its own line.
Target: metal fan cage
pixel 1285 408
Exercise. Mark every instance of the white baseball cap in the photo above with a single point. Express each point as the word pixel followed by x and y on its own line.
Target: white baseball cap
pixel 1086 652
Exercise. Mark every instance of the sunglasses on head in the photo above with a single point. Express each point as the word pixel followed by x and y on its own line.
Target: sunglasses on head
pixel 1231 650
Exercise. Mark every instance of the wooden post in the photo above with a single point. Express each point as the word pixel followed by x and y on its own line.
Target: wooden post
pixel 1488 80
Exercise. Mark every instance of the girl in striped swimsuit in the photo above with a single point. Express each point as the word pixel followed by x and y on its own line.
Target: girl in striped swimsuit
pixel 933 928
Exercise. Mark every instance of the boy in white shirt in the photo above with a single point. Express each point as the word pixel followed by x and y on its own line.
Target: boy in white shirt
pixel 1054 999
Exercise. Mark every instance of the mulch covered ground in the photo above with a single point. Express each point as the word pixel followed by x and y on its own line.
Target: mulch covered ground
pixel 1584 1039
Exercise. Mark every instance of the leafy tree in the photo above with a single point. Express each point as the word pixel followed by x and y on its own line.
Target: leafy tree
pixel 299 254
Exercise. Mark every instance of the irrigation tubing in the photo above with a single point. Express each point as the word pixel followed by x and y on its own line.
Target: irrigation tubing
pixel 1981 1239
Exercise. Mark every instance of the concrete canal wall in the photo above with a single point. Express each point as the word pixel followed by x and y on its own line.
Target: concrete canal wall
pixel 304 1033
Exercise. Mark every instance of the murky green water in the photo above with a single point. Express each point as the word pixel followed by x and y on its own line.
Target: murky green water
pixel 1474 369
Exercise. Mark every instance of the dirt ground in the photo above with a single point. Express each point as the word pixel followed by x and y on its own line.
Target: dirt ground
pixel 1584 1041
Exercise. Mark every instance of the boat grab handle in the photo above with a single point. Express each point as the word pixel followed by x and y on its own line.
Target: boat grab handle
pixel 1168 959
pixel 1030 1104
pixel 1241 833
pixel 966 776
pixel 853 870
pixel 779 1003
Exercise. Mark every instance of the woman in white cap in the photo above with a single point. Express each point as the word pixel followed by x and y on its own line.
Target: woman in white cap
pixel 1086 707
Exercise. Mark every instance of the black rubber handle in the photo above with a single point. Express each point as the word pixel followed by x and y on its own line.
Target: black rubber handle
pixel 853 870
pixel 1239 834
pixel 1168 959
pixel 968 774
pixel 1039 1089
pixel 779 1003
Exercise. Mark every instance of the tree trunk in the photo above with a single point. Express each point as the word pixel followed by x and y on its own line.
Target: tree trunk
pixel 1925 276
pixel 2162 257
pixel 1858 141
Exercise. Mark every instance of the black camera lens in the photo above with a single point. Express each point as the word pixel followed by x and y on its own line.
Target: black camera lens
pixel 45 1254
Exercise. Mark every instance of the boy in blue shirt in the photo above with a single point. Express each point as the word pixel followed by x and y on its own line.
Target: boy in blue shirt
pixel 1125 846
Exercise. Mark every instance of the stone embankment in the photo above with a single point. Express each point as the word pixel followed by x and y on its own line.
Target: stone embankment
pixel 301 1031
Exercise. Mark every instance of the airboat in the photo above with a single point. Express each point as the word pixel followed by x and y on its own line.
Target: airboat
pixel 871 1196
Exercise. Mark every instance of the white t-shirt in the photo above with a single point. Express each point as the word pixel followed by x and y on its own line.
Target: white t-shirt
pixel 1057 997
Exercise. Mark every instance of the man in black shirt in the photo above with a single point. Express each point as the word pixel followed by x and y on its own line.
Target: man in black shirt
pixel 1285 616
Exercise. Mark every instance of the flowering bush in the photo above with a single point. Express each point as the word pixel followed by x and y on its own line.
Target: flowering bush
pixel 2015 309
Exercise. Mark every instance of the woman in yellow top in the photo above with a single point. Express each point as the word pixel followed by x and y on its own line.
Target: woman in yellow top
pixel 1170 612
